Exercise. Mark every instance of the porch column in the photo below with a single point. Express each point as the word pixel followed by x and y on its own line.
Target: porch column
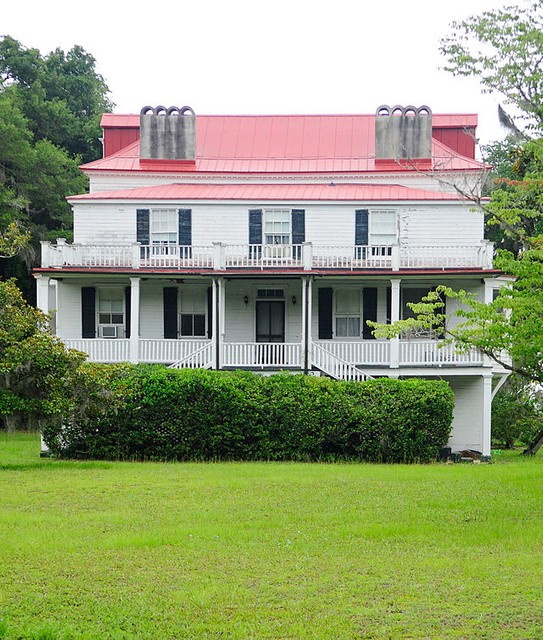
pixel 134 319
pixel 42 293
pixel 394 317
pixel 221 320
pixel 304 344
pixel 215 324
pixel 309 323
pixel 487 407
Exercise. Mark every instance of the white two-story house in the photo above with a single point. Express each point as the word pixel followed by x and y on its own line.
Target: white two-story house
pixel 267 242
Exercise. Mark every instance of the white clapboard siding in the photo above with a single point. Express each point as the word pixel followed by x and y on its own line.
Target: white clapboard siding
pixel 441 225
pixel 68 318
pixel 468 413
pixel 104 224
pixel 325 223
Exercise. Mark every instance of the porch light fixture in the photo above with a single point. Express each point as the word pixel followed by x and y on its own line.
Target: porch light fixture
pixel 293 299
pixel 246 300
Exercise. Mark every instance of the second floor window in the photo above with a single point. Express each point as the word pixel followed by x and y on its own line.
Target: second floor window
pixel 382 227
pixel 164 226
pixel 277 226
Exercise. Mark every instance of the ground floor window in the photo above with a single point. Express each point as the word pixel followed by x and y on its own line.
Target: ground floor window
pixel 347 308
pixel 110 312
pixel 193 314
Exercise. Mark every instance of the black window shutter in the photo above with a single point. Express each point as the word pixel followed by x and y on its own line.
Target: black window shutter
pixel 142 226
pixel 325 313
pixel 255 232
pixel 210 312
pixel 170 312
pixel 255 226
pixel 369 311
pixel 185 227
pixel 88 312
pixel 389 305
pixel 361 227
pixel 298 226
pixel 127 309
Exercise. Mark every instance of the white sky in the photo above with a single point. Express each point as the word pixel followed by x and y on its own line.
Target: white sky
pixel 286 56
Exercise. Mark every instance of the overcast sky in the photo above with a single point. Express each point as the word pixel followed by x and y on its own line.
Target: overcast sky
pixel 247 57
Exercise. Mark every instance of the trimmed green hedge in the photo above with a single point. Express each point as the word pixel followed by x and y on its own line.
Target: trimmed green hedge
pixel 152 413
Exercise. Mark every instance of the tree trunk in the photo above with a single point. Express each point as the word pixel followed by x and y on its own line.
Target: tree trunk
pixel 534 447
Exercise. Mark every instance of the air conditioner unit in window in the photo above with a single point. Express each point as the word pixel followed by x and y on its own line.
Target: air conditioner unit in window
pixel 109 331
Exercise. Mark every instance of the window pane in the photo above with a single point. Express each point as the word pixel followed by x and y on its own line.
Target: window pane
pixel 199 325
pixel 117 318
pixel 186 324
pixel 348 301
pixel 104 318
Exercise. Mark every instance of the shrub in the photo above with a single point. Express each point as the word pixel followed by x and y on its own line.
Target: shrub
pixel 150 412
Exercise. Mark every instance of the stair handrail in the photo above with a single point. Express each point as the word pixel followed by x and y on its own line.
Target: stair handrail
pixel 355 372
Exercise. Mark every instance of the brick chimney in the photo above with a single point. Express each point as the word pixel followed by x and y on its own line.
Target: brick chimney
pixel 403 133
pixel 167 134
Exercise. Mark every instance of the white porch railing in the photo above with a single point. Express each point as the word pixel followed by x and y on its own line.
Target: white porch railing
pixel 304 256
pixel 429 353
pixel 261 256
pixel 262 355
pixel 171 256
pixel 333 366
pixel 354 257
pixel 446 256
pixel 360 352
pixel 168 351
pixel 102 350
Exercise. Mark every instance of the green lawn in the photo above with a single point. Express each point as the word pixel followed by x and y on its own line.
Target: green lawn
pixel 148 550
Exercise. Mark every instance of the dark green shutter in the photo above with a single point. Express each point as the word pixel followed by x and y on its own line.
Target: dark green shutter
pixel 298 230
pixel 369 310
pixel 210 312
pixel 298 226
pixel 127 309
pixel 361 227
pixel 170 312
pixel 325 313
pixel 389 305
pixel 185 227
pixel 88 312
pixel 255 232
pixel 142 226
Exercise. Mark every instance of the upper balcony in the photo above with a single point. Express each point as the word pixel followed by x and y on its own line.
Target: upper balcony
pixel 306 256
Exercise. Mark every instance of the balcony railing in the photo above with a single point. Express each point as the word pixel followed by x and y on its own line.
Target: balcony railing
pixel 306 256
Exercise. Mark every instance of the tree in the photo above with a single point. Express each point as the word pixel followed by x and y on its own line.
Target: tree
pixel 61 94
pixel 503 48
pixel 50 109
pixel 37 372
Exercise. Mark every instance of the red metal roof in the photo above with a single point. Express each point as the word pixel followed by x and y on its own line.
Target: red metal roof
pixel 315 144
pixel 267 192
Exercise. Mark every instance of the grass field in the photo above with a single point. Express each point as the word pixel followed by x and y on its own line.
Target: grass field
pixel 148 550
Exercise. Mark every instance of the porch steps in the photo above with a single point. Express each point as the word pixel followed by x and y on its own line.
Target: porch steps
pixel 335 367
pixel 201 358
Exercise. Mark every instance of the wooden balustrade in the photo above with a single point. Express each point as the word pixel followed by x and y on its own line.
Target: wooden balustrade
pixel 305 256
pixel 262 355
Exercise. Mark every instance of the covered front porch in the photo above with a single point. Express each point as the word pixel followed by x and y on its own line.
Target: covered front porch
pixel 288 322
